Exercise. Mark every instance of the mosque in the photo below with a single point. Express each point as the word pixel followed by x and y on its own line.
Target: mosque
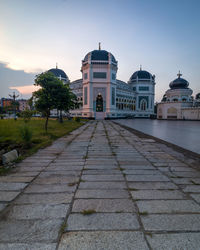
pixel 101 95
pixel 178 102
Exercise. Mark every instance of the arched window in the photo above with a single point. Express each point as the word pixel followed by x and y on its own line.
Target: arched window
pixel 143 104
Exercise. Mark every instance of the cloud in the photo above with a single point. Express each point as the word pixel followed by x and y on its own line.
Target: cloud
pixel 14 79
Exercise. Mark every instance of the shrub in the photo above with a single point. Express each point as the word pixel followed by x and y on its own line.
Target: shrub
pixel 26 135
pixel 26 115
pixel 77 119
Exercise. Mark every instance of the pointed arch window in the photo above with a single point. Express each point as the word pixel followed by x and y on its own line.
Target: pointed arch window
pixel 143 104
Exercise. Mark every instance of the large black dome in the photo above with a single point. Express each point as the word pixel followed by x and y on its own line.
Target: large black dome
pixel 59 73
pixel 141 74
pixel 179 83
pixel 99 55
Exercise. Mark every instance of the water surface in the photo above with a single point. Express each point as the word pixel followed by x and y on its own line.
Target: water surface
pixel 185 134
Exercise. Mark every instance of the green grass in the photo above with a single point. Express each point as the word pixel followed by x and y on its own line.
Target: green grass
pixel 88 212
pixel 10 133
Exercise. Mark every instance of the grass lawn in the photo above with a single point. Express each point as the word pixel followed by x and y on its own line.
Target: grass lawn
pixel 10 133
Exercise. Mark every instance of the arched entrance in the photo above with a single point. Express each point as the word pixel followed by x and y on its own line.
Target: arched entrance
pixel 99 103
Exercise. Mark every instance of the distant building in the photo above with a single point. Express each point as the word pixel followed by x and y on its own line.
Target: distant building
pixel 23 104
pixel 101 95
pixel 6 102
pixel 178 103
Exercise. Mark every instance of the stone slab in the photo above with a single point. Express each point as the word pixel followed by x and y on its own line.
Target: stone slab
pixel 15 179
pixel 2 206
pixel 102 221
pixel 192 189
pixel 28 212
pixel 56 180
pixel 196 197
pixel 146 178
pixel 175 241
pixel 101 194
pixel 141 172
pixel 22 174
pixel 104 205
pixel 100 167
pixel 152 185
pixel 24 246
pixel 102 240
pixel 173 222
pixel 102 185
pixel 157 194
pixel 137 167
pixel 30 230
pixel 59 198
pixel 8 195
pixel 118 177
pixel 168 206
pixel 50 188
pixel 12 186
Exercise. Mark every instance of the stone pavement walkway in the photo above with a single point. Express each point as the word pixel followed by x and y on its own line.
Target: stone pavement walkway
pixel 101 187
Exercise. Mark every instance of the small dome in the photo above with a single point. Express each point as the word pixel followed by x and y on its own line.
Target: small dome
pixel 179 83
pixel 100 55
pixel 141 75
pixel 59 73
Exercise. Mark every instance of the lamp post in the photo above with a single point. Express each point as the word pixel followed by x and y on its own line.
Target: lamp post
pixel 14 102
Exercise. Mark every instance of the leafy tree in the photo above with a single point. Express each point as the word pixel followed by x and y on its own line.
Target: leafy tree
pixel 53 94
pixel 45 97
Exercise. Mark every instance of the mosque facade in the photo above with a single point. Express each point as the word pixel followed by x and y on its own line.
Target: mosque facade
pixel 102 96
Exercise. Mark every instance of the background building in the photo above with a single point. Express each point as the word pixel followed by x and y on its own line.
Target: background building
pixel 102 95
pixel 178 102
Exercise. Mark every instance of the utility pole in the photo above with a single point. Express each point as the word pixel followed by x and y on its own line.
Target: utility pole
pixel 14 102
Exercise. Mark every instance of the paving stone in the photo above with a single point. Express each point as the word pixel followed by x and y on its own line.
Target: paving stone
pixel 168 206
pixel 141 172
pixel 196 197
pixel 21 174
pixel 139 167
pixel 102 240
pixel 100 167
pixel 15 179
pixel 23 246
pixel 56 180
pixel 152 185
pixel 146 178
pixel 187 174
pixel 175 241
pixel 157 194
pixel 102 185
pixel 118 177
pixel 64 168
pixel 29 230
pixel 101 194
pixel 173 222
pixel 59 198
pixel 50 188
pixel 192 189
pixel 8 195
pixel 12 186
pixel 102 221
pixel 181 180
pixel 28 212
pixel 2 206
pixel 101 172
pixel 30 169
pixel 104 205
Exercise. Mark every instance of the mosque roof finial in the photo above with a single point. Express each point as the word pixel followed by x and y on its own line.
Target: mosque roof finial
pixel 179 74
pixel 99 46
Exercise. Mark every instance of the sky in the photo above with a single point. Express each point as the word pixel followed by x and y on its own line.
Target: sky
pixel 161 35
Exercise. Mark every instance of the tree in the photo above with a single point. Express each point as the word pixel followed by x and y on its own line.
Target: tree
pixel 46 97
pixel 64 101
